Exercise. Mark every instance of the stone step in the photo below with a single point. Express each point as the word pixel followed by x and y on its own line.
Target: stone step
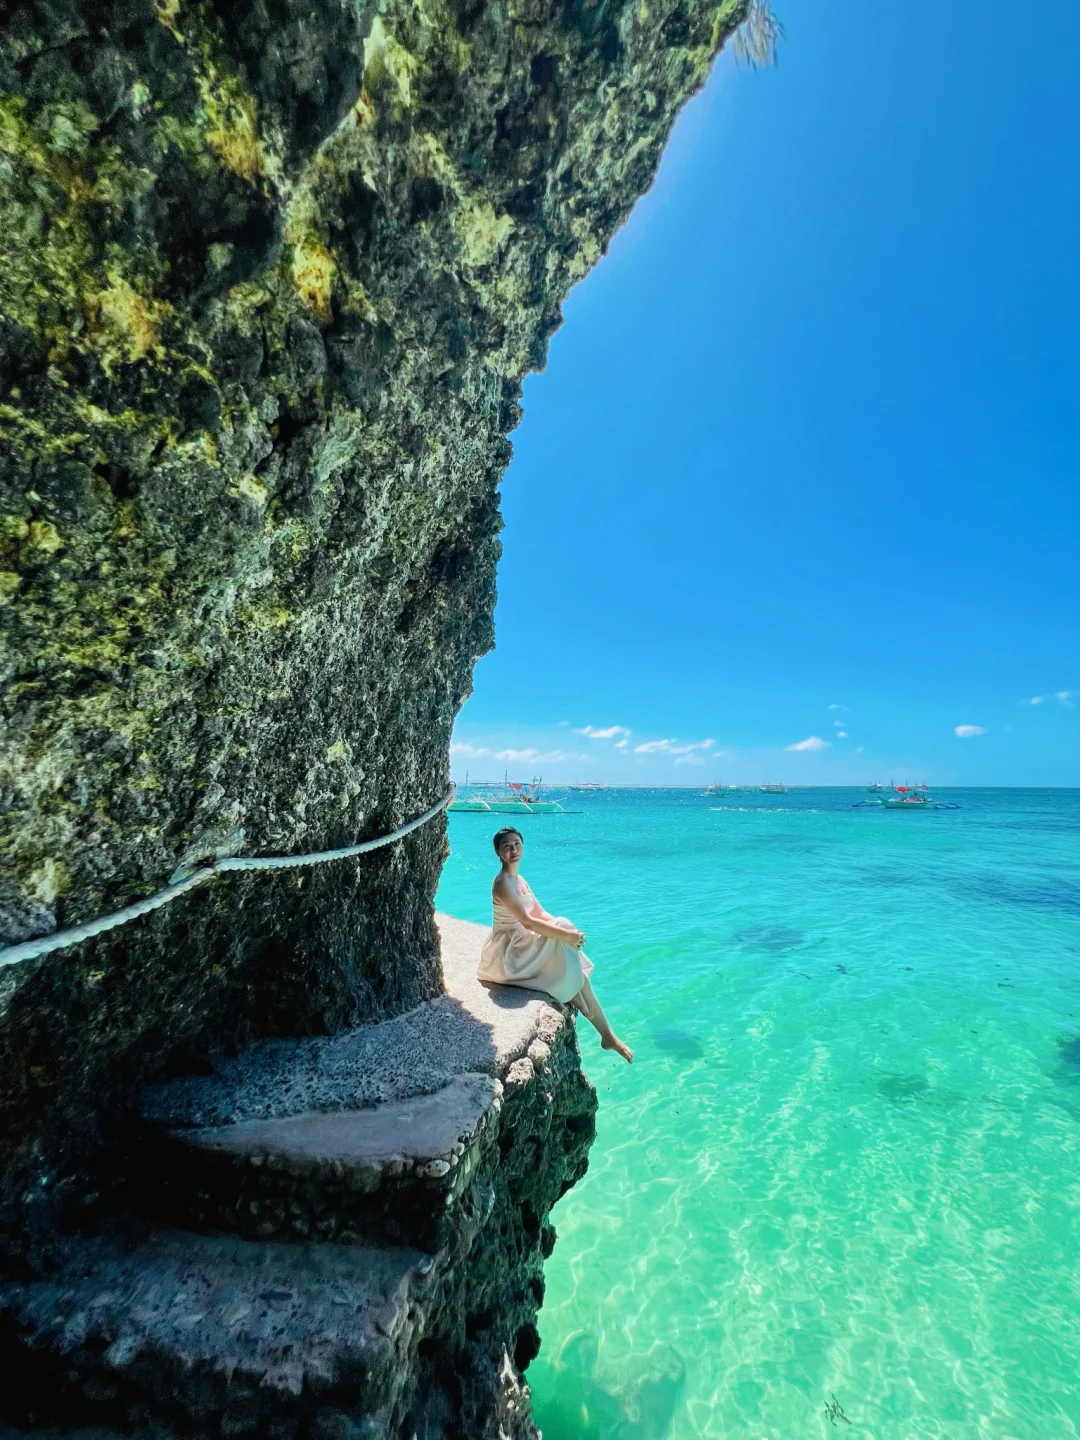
pixel 413 1171
pixel 472 1028
pixel 365 1219
pixel 217 1336
pixel 385 1134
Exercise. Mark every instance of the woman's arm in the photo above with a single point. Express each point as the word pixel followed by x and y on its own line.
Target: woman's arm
pixel 508 896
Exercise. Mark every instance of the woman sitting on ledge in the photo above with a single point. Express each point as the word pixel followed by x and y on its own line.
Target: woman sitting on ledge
pixel 529 947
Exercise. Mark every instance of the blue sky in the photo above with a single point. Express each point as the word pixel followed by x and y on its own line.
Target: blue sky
pixel 803 463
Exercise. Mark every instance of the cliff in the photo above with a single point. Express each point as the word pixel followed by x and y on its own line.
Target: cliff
pixel 271 274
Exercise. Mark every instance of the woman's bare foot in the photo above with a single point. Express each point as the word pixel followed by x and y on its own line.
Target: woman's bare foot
pixel 612 1042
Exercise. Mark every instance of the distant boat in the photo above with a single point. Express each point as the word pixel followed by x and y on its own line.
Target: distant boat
pixel 904 797
pixel 907 797
pixel 516 798
pixel 771 790
pixel 588 785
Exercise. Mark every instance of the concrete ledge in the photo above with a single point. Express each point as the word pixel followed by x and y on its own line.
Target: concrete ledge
pixel 426 1130
pixel 473 1028
pixel 383 1135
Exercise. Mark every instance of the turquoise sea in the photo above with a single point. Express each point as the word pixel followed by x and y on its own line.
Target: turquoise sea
pixel 839 1190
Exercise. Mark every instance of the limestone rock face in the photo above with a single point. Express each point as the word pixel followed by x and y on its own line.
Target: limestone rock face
pixel 271 274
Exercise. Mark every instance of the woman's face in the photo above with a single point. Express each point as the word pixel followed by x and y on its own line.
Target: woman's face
pixel 510 849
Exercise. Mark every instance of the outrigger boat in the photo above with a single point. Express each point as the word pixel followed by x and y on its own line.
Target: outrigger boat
pixel 907 797
pixel 771 790
pixel 904 797
pixel 519 799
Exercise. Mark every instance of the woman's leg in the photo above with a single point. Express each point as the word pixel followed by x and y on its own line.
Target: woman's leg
pixel 586 1001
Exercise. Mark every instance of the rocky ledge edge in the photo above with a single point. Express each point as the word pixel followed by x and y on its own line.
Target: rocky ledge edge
pixel 330 1238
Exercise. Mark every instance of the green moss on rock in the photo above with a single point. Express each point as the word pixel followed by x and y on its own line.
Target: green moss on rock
pixel 270 278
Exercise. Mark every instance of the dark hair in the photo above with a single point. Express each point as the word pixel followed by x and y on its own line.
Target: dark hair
pixel 500 836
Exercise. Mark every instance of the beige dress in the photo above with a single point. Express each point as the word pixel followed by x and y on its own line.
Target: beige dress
pixel 516 956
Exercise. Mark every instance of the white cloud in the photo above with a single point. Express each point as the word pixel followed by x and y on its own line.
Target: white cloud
pixel 1064 697
pixel 672 747
pixel 965 732
pixel 841 734
pixel 837 707
pixel 859 749
pixel 529 754
pixel 608 733
pixel 812 742
pixel 621 744
pixel 540 757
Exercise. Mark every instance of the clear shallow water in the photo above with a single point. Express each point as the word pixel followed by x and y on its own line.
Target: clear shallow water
pixel 845 1166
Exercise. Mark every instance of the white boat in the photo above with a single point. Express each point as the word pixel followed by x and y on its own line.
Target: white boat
pixel 526 805
pixel 904 797
pixel 512 798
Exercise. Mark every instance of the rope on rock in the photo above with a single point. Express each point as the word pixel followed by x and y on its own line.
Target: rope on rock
pixel 183 881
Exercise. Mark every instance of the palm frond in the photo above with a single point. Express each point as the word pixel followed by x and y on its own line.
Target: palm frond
pixel 759 35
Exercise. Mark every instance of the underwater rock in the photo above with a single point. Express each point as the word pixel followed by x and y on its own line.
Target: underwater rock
pixel 772 939
pixel 679 1043
pixel 902 1088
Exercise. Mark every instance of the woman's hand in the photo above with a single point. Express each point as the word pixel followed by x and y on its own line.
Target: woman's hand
pixel 576 938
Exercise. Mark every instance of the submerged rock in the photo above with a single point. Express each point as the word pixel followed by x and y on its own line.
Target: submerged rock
pixel 271 275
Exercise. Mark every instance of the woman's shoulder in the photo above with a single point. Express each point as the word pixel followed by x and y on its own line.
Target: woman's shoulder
pixel 504 882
